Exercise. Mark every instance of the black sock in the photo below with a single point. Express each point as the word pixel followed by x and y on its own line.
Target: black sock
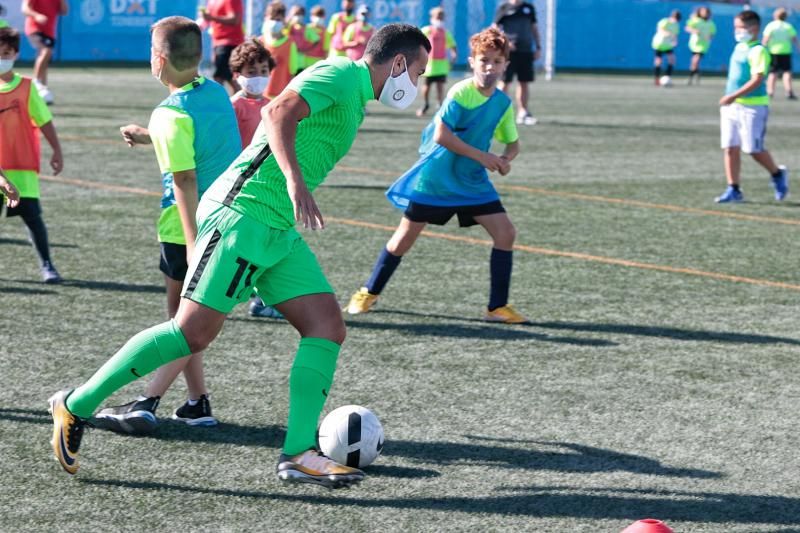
pixel 657 70
pixel 38 234
pixel 382 271
pixel 777 174
pixel 500 266
pixel 735 187
pixel 669 70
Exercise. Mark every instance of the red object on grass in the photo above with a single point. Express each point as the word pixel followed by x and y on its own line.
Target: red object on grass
pixel 648 525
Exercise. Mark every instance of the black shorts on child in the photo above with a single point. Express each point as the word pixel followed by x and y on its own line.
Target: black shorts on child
pixel 173 260
pixel 440 215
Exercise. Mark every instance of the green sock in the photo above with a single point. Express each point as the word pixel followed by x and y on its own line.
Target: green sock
pixel 309 384
pixel 142 354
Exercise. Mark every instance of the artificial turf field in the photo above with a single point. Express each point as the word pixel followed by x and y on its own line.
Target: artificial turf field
pixel 657 378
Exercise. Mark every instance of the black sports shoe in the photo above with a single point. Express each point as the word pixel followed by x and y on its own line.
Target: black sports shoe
pixel 198 414
pixel 135 418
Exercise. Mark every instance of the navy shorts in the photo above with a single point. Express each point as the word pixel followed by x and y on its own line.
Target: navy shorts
pixel 660 53
pixel 521 65
pixel 440 215
pixel 430 80
pixel 41 40
pixel 781 63
pixel 173 260
pixel 222 57
pixel 27 208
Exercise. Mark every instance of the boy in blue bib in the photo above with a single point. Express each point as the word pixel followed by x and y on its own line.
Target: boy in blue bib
pixel 450 178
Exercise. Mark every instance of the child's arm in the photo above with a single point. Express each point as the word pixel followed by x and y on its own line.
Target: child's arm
pixel 29 12
pixel 509 154
pixel 442 135
pixel 185 189
pixel 57 159
pixel 134 134
pixel 9 191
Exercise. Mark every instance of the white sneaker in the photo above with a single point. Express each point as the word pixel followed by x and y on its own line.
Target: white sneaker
pixel 44 92
pixel 526 119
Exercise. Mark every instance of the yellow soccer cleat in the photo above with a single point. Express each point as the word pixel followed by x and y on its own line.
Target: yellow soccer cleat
pixel 506 315
pixel 361 302
pixel 67 432
pixel 313 466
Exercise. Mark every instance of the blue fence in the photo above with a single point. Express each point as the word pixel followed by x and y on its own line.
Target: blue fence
pixel 602 34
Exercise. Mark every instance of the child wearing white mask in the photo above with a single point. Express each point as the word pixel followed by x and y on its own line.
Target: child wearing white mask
pixel 251 64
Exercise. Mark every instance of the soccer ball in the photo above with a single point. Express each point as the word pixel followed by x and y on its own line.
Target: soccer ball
pixel 351 435
pixel 665 81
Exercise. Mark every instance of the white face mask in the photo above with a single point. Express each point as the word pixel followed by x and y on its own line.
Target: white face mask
pixel 297 19
pixel 398 92
pixel 274 26
pixel 316 20
pixel 437 23
pixel 742 36
pixel 6 65
pixel 254 85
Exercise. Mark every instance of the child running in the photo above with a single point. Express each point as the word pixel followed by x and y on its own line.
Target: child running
pixel 451 178
pixel 195 137
pixel 664 42
pixel 24 115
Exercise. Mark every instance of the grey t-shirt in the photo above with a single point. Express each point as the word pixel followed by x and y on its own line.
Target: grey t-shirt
pixel 515 21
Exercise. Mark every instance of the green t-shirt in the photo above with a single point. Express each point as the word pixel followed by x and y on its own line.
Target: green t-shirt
pixel 666 37
pixel 27 181
pixel 172 133
pixel 779 35
pixel 336 91
pixel 700 41
pixel 468 96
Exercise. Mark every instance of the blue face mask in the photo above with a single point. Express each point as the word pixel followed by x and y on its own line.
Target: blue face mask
pixel 6 65
pixel 742 36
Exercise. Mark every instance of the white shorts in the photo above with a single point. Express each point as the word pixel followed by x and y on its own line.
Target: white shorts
pixel 743 125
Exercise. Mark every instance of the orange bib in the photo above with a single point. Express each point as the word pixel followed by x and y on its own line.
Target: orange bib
pixel 19 138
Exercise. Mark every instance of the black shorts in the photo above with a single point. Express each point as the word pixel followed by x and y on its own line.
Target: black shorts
pixel 173 260
pixel 781 63
pixel 430 80
pixel 222 57
pixel 440 215
pixel 660 53
pixel 41 40
pixel 27 208
pixel 521 64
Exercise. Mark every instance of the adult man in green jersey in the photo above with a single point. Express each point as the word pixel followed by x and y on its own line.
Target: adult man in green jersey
pixel 246 240
pixel 664 42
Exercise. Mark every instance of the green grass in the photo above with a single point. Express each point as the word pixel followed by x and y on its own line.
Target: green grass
pixel 635 392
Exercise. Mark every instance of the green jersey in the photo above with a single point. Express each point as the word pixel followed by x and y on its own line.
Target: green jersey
pixel 700 40
pixel 666 37
pixel 779 35
pixel 336 91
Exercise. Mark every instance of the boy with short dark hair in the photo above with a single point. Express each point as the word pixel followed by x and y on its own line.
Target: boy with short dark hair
pixel 195 137
pixel 24 114
pixel 744 110
pixel 451 178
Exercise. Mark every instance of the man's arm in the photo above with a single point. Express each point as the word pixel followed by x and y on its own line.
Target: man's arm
pixel 280 119
pixel 186 198
pixel 535 32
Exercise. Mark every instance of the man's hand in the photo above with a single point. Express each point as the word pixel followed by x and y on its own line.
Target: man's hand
pixel 134 134
pixel 41 19
pixel 305 208
pixel 727 100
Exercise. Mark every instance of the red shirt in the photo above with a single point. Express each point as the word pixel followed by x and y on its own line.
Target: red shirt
pixel 50 9
pixel 226 34
pixel 248 115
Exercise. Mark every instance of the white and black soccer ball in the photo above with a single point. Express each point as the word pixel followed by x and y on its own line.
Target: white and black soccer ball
pixel 351 435
pixel 665 81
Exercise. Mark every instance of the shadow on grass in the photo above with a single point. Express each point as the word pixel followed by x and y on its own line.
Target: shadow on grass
pixel 29 416
pixel 97 285
pixel 679 334
pixel 23 242
pixel 591 504
pixel 24 290
pixel 476 332
pixel 557 456
pixel 670 333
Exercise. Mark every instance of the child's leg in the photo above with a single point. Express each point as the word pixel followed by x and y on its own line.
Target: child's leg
pixel 191 366
pixel 503 234
pixel 732 160
pixel 657 67
pixel 670 63
pixel 771 83
pixel 400 243
pixel 787 83
pixel 42 62
pixel 38 234
pixel 440 92
pixel 764 158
